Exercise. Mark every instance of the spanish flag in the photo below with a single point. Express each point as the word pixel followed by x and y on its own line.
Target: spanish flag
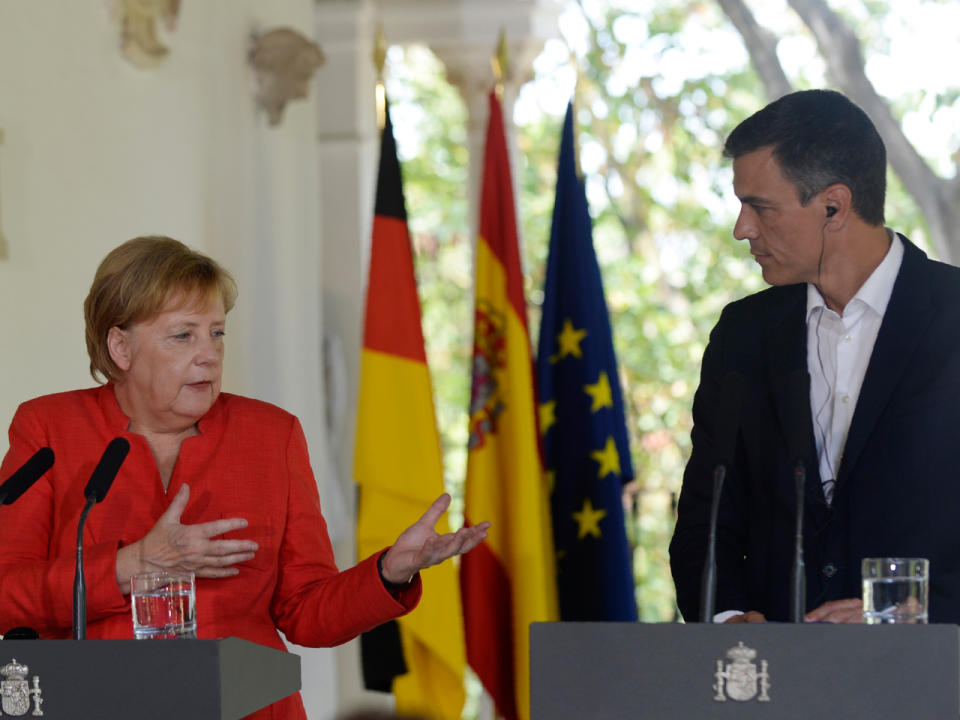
pixel 397 461
pixel 508 581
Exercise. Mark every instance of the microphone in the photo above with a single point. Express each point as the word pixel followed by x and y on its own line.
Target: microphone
pixel 728 423
pixel 21 633
pixel 797 398
pixel 100 481
pixel 22 479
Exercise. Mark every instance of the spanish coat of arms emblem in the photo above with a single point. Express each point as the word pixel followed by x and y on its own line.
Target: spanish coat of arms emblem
pixel 15 691
pixel 740 680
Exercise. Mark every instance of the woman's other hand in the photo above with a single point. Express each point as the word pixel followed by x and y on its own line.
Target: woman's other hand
pixel 171 545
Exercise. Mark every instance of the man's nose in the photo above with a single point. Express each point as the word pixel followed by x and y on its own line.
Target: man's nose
pixel 745 228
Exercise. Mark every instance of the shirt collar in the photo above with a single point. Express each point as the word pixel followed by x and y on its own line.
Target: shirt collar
pixel 876 290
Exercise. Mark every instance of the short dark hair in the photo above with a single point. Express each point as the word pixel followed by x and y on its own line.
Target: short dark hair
pixel 819 138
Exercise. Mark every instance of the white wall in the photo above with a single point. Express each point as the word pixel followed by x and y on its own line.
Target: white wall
pixel 97 151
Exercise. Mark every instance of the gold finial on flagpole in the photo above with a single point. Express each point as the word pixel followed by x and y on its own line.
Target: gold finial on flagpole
pixel 500 63
pixel 379 61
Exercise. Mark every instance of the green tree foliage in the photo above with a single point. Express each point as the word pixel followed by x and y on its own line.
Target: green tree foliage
pixel 659 84
pixel 430 125
pixel 661 200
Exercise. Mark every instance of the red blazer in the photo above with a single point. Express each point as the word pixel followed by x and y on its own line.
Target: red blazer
pixel 249 460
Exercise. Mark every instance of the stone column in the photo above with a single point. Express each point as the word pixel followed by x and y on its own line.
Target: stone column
pixel 347 151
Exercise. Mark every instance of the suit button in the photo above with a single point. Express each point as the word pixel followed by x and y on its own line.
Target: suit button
pixel 829 570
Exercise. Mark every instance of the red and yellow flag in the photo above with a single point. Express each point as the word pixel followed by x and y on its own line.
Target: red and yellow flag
pixel 397 460
pixel 509 580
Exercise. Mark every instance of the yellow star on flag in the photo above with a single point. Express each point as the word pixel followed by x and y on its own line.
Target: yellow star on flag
pixel 548 416
pixel 569 339
pixel 608 458
pixel 600 392
pixel 589 520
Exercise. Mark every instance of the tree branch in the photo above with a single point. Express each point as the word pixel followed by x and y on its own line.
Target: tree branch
pixel 762 46
pixel 840 48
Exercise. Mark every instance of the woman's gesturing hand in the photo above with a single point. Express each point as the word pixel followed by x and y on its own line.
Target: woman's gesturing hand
pixel 420 545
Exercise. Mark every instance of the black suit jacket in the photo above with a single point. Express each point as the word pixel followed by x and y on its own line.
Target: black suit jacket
pixel 898 485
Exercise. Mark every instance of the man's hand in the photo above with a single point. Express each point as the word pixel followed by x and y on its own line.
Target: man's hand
pixel 751 616
pixel 848 610
pixel 420 545
pixel 172 546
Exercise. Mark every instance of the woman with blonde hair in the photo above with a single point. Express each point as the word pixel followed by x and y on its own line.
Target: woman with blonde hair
pixel 214 483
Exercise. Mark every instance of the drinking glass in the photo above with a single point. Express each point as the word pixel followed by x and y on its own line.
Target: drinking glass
pixel 164 605
pixel 895 590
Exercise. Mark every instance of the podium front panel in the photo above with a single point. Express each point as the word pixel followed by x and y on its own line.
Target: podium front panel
pixel 773 671
pixel 106 679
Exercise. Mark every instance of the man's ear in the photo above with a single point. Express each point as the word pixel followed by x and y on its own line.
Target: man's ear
pixel 118 343
pixel 836 201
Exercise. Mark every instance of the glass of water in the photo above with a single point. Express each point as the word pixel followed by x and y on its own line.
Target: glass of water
pixel 164 605
pixel 895 590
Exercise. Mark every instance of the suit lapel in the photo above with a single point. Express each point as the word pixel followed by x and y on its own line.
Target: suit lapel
pixel 787 353
pixel 907 316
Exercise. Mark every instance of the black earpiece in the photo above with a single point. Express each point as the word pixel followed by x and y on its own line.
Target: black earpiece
pixel 831 211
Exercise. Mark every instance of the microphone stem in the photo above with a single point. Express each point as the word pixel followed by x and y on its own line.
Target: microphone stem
pixel 79 582
pixel 708 590
pixel 798 580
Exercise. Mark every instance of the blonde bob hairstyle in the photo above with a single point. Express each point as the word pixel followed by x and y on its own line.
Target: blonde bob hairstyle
pixel 136 281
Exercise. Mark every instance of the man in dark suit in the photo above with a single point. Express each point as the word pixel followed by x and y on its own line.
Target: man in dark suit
pixel 873 325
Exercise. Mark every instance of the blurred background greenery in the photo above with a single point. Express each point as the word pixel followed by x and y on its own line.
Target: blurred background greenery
pixel 658 85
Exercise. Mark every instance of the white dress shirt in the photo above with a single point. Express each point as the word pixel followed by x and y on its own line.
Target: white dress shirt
pixel 838 352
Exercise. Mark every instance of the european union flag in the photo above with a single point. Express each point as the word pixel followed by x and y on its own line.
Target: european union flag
pixel 581 414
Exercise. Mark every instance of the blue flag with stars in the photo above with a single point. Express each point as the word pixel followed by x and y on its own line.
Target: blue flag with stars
pixel 581 414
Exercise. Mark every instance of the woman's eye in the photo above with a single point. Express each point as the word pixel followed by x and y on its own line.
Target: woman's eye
pixel 219 333
pixel 182 336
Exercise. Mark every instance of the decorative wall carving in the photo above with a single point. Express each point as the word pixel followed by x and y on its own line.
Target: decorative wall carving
pixel 138 23
pixel 284 62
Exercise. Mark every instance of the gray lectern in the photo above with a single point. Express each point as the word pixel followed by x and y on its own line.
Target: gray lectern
pixel 105 679
pixel 774 671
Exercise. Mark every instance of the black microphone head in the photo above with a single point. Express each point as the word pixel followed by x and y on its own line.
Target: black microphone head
pixel 107 469
pixel 31 471
pixel 728 421
pixel 797 399
pixel 21 633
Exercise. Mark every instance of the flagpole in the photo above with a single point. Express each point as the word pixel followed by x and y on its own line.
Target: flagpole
pixel 574 104
pixel 379 61
pixel 500 62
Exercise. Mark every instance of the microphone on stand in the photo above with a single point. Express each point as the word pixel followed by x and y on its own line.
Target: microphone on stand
pixel 96 490
pixel 727 424
pixel 798 405
pixel 28 473
pixel 11 490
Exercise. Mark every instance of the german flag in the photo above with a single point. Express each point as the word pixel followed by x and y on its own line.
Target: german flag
pixel 508 581
pixel 398 467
